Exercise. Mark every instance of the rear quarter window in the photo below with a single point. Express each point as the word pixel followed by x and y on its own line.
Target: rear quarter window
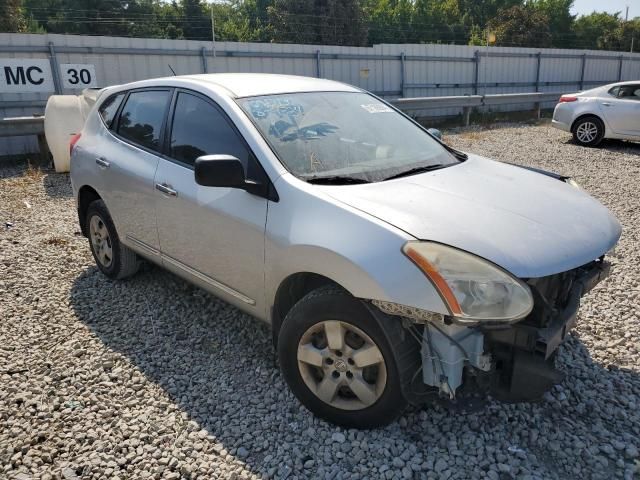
pixel 109 108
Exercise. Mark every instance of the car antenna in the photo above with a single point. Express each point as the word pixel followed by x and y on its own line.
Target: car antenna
pixel 172 70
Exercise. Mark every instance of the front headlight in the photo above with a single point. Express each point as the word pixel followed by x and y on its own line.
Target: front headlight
pixel 572 182
pixel 472 288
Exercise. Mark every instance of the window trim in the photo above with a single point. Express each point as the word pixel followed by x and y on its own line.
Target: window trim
pixel 272 195
pixel 114 130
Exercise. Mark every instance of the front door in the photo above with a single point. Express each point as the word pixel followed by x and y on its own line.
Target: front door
pixel 212 235
pixel 622 112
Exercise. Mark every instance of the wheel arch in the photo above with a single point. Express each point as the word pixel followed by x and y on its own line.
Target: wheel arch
pixel 587 115
pixel 293 288
pixel 86 195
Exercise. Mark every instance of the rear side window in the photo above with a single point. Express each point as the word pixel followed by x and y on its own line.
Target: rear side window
pixel 142 117
pixel 199 128
pixel 109 108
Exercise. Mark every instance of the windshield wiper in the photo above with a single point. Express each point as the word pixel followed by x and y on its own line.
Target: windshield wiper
pixel 336 180
pixel 416 170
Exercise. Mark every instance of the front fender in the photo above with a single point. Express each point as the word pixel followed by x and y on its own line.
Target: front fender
pixel 310 233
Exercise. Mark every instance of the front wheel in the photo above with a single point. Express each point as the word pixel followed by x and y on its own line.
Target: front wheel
pixel 339 361
pixel 588 131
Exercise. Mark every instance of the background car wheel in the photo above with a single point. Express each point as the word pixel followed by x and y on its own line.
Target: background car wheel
pixel 113 259
pixel 339 360
pixel 588 131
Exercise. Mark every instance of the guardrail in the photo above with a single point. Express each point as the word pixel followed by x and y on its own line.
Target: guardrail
pixel 24 126
pixel 468 102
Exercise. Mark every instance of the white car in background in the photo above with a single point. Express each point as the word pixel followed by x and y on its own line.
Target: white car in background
pixel 610 111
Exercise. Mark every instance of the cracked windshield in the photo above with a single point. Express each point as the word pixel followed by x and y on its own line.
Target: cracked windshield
pixel 343 137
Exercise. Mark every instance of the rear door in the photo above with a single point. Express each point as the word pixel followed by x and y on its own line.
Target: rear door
pixel 621 109
pixel 212 235
pixel 129 165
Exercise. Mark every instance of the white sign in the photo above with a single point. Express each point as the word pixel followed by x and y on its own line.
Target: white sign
pixel 25 75
pixel 78 75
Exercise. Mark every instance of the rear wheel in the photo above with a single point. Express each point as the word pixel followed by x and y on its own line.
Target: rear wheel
pixel 339 360
pixel 112 258
pixel 588 131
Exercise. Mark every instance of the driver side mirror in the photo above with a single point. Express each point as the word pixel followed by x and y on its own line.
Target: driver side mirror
pixel 220 171
pixel 228 171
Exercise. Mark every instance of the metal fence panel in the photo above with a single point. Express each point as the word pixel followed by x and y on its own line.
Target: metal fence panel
pixel 389 70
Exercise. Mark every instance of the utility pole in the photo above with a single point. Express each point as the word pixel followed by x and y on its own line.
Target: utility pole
pixel 213 32
pixel 632 39
pixel 626 17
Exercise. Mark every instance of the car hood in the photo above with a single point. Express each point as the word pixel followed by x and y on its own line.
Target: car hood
pixel 530 224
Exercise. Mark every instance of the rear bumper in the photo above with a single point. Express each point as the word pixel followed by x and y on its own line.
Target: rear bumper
pixel 563 116
pixel 561 125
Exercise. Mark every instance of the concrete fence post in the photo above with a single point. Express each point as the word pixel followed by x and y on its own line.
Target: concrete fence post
pixel 55 68
pixel 466 115
pixel 584 63
pixel 203 57
pixel 402 74
pixel 620 68
pixel 476 71
pixel 539 57
pixel 318 71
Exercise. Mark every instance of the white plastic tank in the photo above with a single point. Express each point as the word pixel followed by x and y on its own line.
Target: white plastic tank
pixel 64 116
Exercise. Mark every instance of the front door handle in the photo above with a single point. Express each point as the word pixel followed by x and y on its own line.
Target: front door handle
pixel 166 189
pixel 102 162
pixel 606 104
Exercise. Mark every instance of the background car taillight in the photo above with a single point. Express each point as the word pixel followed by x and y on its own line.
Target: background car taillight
pixel 73 141
pixel 568 98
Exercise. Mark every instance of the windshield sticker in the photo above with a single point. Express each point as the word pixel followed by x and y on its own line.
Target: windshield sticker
pixel 376 108
pixel 274 106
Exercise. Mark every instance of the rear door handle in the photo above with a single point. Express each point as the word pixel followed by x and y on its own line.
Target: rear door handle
pixel 166 189
pixel 102 162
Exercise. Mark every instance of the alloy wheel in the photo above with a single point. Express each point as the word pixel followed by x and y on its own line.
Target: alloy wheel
pixel 587 132
pixel 101 241
pixel 341 365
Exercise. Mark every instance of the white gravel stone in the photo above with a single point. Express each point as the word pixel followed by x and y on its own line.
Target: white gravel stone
pixel 152 376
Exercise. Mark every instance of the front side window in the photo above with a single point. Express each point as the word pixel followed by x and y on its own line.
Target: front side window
pixel 343 134
pixel 199 128
pixel 109 108
pixel 142 117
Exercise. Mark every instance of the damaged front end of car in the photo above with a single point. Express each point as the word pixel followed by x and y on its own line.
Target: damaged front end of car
pixel 511 359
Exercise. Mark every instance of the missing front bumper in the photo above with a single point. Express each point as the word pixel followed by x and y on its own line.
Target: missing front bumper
pixel 524 353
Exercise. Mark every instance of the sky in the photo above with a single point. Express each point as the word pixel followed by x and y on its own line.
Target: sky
pixel 585 7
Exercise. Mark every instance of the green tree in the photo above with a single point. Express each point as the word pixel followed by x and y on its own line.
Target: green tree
pixel 558 13
pixel 597 31
pixel 196 22
pixel 329 22
pixel 521 26
pixel 12 16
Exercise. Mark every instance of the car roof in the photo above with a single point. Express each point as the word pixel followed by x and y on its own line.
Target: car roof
pixel 237 85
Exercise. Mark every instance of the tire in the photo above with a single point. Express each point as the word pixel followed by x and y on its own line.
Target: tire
pixel 380 385
pixel 588 131
pixel 113 259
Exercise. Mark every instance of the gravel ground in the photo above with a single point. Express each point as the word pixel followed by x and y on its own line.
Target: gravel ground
pixel 153 378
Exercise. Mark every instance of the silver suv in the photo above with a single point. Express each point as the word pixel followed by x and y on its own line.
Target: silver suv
pixel 390 266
